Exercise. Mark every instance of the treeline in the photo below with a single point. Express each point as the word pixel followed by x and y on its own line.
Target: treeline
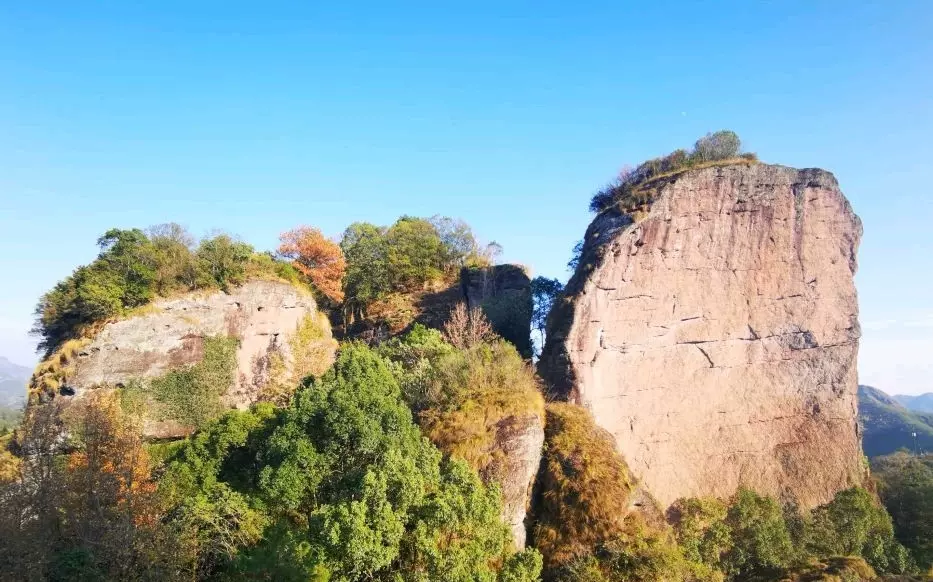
pixel 406 256
pixel 627 192
pixel 134 267
pixel 366 265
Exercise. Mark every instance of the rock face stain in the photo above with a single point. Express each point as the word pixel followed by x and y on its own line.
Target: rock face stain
pixel 170 335
pixel 716 338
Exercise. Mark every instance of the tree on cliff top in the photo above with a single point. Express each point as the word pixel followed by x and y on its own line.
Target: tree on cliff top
pixel 317 257
pixel 134 267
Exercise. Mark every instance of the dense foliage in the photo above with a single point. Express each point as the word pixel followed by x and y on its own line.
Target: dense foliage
pixel 349 488
pixel 629 191
pixel 584 528
pixel 340 485
pixel 404 257
pixel 754 536
pixel 906 489
pixel 461 396
pixel 134 267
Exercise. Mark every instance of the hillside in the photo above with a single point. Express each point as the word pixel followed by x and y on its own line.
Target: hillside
pixel 918 403
pixel 888 426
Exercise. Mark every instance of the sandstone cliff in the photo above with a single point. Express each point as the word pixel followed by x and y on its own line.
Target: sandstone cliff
pixel 715 334
pixel 518 443
pixel 264 317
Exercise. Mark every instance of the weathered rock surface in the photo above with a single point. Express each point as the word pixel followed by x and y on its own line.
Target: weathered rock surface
pixel 504 293
pixel 170 334
pixel 518 455
pixel 716 338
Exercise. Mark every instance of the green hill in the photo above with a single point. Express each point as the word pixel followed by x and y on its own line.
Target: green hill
pixel 888 426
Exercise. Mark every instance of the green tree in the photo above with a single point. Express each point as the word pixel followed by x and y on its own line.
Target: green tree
pixel 367 274
pixel 224 259
pixel 906 489
pixel 416 253
pixel 699 524
pixel 544 292
pixel 853 524
pixel 760 539
pixel 349 488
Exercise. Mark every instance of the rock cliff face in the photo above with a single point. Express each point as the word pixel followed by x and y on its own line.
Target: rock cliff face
pixel 169 334
pixel 518 444
pixel 716 336
pixel 504 294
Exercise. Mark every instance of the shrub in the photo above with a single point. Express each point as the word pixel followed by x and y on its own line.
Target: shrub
pixel 700 528
pixel 853 524
pixel 466 328
pixel 760 539
pixel 630 189
pixel 469 392
pixel 721 145
pixel 191 396
pixel 311 350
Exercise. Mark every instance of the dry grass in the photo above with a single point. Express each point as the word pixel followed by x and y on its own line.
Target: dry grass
pixel 471 392
pixel 52 373
pixel 585 486
pixel 637 201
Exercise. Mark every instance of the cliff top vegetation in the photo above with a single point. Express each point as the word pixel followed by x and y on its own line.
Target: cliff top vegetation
pixel 631 191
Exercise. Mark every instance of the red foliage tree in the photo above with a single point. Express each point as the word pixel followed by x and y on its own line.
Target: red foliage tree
pixel 319 258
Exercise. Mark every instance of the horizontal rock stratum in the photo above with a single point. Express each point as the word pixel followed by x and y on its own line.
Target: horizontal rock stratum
pixel 716 335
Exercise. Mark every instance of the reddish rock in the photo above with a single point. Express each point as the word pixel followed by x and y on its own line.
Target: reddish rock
pixel 716 336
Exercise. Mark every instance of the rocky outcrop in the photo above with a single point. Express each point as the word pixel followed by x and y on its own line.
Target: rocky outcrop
pixel 504 294
pixel 715 335
pixel 517 457
pixel 169 334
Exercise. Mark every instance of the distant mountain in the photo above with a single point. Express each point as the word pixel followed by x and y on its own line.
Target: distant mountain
pixel 13 379
pixel 889 426
pixel 921 403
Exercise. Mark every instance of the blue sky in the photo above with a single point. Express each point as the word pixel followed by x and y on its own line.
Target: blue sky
pixel 256 117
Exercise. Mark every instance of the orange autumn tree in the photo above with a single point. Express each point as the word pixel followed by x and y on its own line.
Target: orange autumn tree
pixel 319 258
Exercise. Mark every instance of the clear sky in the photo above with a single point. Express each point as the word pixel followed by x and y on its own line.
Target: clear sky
pixel 256 117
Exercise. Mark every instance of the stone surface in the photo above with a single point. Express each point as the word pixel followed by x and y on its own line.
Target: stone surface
pixel 504 293
pixel 518 455
pixel 170 333
pixel 716 337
